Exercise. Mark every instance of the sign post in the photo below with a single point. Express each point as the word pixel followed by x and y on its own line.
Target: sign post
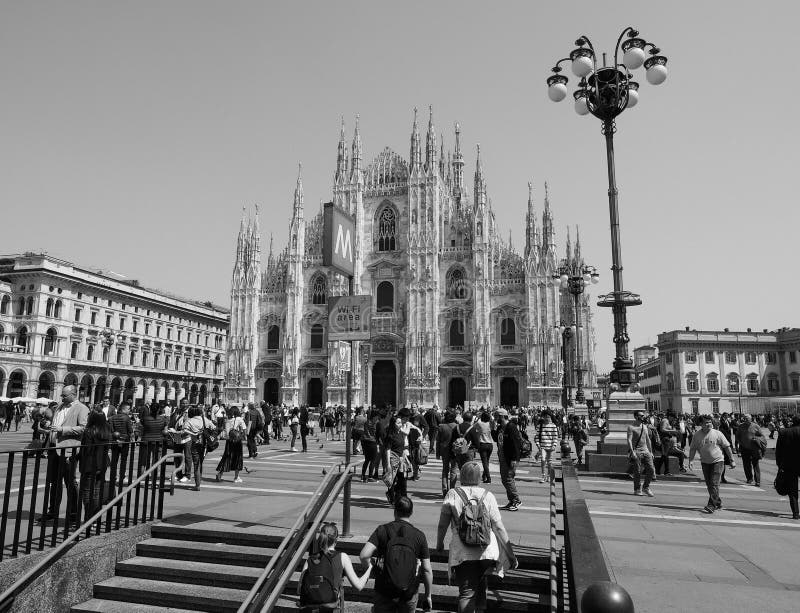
pixel 338 245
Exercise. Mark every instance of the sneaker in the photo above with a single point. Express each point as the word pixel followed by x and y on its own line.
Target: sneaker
pixel 757 484
pixel 708 510
pixel 237 480
pixel 649 492
pixel 749 482
pixel 294 449
pixel 544 479
pixel 507 506
pixel 683 470
pixel 513 507
pixel 183 480
pixel 638 493
pixel 667 474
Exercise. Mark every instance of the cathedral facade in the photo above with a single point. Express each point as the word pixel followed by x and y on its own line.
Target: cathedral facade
pixel 459 316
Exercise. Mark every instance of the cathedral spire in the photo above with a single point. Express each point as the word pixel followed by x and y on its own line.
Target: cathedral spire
pixel 531 232
pixel 355 173
pixel 578 257
pixel 458 165
pixel 442 166
pixel 569 247
pixel 480 182
pixel 341 157
pixel 548 234
pixel 416 151
pixel 430 144
pixel 298 194
pixel 256 234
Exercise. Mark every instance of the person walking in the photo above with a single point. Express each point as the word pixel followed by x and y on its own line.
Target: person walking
pixel 153 430
pixel 444 440
pixel 396 444
pixel 509 453
pixel 787 457
pixel 401 549
pixel 294 427
pixel 320 583
pixel 181 443
pixel 94 461
pixel 580 437
pixel 233 456
pixel 122 433
pixel 369 446
pixel 470 562
pixel 752 446
pixel 359 423
pixel 433 419
pixel 547 440
pixel 255 422
pixel 483 442
pixel 715 452
pixel 640 454
pixel 193 428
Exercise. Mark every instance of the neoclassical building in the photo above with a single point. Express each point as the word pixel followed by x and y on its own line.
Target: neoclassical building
pixel 459 316
pixel 52 317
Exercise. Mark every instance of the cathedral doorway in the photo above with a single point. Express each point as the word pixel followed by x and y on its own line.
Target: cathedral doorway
pixel 456 392
pixel 314 392
pixel 509 392
pixel 384 383
pixel 272 391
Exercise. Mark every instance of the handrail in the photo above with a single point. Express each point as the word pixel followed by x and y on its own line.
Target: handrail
pixel 285 543
pixel 554 588
pixel 7 598
pixel 327 502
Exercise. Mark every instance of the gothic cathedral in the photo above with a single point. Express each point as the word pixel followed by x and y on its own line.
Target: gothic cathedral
pixel 459 316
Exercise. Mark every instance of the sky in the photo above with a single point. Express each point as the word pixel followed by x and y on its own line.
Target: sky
pixel 133 133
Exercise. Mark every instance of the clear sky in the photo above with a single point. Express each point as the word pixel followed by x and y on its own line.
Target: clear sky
pixel 132 133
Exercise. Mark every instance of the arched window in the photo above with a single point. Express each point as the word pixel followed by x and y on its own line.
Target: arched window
pixel 90 352
pixel 456 284
pixel 457 333
pixel 318 290
pixel 132 360
pixel 119 356
pixel 57 309
pixel 50 342
pixel 752 383
pixel 273 338
pixel 4 303
pixel 508 332
pixel 21 306
pixel 106 353
pixel 317 336
pixel 73 352
pixel 49 308
pixel 692 384
pixel 167 359
pixel 217 364
pixel 773 385
pixel 384 299
pixel 387 230
pixel 2 335
pixel 22 337
pixel 29 309
pixel 670 382
pixel 712 383
pixel 733 383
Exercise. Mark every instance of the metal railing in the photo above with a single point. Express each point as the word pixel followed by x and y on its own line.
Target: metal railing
pixel 554 577
pixel 269 586
pixel 36 479
pixel 7 598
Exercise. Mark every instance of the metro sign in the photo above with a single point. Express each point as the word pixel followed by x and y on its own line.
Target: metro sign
pixel 338 238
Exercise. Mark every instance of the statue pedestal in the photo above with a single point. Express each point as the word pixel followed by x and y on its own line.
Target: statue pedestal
pixel 581 410
pixel 612 451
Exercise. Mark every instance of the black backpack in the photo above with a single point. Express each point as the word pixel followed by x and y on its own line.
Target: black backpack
pixel 398 566
pixel 318 585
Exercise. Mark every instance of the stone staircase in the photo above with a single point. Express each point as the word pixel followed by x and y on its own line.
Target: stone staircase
pixel 212 568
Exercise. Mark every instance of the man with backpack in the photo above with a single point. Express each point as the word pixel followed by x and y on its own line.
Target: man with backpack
pixel 479 541
pixel 509 453
pixel 433 419
pixel 401 549
pixel 443 445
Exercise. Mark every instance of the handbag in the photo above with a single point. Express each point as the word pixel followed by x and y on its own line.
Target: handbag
pixel 210 436
pixel 782 482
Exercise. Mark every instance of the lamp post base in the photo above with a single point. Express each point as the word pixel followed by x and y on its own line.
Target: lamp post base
pixel 612 452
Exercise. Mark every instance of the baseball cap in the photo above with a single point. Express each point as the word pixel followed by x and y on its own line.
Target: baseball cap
pixel 502 412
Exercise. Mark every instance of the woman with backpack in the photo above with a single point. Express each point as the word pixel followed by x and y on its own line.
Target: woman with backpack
pixel 320 585
pixel 479 543
pixel 396 445
pixel 233 456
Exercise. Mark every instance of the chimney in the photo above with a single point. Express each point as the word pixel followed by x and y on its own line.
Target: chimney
pixel 765 330
pixel 749 330
pixel 687 328
pixel 727 330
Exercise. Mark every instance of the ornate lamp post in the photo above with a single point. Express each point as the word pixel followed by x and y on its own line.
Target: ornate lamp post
pixel 109 338
pixel 566 336
pixel 605 92
pixel 574 275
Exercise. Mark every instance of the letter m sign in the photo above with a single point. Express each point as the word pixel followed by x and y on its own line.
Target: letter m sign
pixel 338 238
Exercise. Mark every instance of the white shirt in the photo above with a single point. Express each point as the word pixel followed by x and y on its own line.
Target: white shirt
pixel 458 551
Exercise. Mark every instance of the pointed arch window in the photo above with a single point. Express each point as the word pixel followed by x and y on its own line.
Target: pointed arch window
pixel 90 352
pixel 318 290
pixel 57 309
pixel 29 309
pixel 48 312
pixel 317 336
pixel 50 341
pixel 21 306
pixel 22 337
pixel 273 338
pixel 456 284
pixel 387 230
pixel 4 305
pixel 457 333
pixel 73 352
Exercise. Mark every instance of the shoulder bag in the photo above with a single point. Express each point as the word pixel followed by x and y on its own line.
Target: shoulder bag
pixel 210 436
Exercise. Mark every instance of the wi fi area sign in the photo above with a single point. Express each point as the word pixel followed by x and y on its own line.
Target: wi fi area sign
pixel 338 240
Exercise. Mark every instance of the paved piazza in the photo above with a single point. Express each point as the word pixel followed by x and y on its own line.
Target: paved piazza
pixel 658 548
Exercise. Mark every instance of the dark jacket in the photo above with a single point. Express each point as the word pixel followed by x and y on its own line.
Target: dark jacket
pixel 787 450
pixel 511 442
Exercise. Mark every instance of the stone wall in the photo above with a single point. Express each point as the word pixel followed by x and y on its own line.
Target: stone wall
pixel 70 579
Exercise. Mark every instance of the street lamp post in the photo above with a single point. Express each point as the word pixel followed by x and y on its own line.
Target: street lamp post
pixel 605 92
pixel 566 336
pixel 109 338
pixel 574 275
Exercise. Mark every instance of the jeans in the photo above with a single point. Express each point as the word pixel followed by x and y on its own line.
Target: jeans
pixel 712 474
pixel 252 448
pixel 197 451
pixel 61 474
pixel 184 465
pixel 370 466
pixel 508 471
pixel 449 471
pixel 750 460
pixel 471 581
pixel 433 434
pixel 644 460
pixel 485 451
pixel 547 460
pixel 384 604
pixel 793 493
pixel 119 459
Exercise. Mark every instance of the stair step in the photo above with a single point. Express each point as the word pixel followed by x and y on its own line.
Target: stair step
pixel 217 553
pixel 213 599
pixel 98 605
pixel 183 571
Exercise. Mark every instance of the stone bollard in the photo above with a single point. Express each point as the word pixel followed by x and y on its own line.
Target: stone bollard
pixel 606 597
pixel 565 450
